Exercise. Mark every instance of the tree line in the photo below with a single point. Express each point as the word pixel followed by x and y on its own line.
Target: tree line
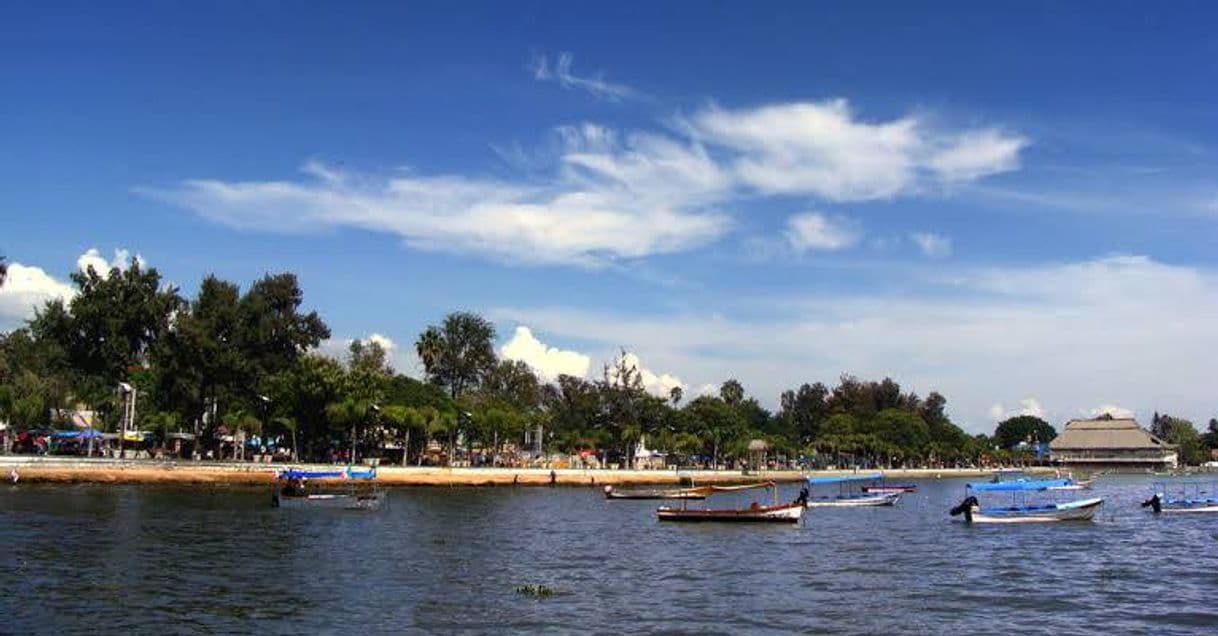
pixel 230 359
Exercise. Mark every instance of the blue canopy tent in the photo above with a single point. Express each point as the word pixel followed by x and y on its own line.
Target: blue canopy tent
pixel 1033 485
pixel 88 433
pixel 839 479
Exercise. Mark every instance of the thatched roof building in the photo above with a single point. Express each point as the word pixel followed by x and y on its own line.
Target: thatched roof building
pixel 1111 443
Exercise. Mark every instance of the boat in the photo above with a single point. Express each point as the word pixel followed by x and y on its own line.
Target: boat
pixel 1020 511
pixel 1186 498
pixel 694 493
pixel 1008 475
pixel 755 513
pixel 346 489
pixel 885 487
pixel 848 496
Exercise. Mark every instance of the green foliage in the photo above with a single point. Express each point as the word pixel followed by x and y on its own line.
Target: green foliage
pixel 1183 434
pixel 1023 428
pixel 459 352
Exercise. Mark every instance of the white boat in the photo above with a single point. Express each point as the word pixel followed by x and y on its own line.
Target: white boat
pixel 346 489
pixel 1187 498
pixel 848 496
pixel 1021 512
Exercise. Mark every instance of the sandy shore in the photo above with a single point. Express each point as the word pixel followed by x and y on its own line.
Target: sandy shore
pixel 70 470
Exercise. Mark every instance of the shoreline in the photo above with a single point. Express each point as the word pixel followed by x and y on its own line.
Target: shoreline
pixel 186 472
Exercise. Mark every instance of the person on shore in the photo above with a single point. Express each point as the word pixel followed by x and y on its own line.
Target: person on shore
pixel 553 478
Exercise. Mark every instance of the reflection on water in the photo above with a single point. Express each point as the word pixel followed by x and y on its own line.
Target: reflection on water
pixel 166 560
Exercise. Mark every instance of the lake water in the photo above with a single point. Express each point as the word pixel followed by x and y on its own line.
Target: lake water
pixel 107 559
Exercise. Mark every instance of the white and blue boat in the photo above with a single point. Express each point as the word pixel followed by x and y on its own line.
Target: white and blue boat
pixel 1021 509
pixel 1004 475
pixel 850 493
pixel 343 489
pixel 1184 497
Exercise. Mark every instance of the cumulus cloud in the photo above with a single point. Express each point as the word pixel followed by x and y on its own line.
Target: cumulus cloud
pixel 1110 409
pixel 1027 406
pixel 823 149
pixel 383 341
pixel 548 362
pixel 658 384
pixel 1072 335
pixel 340 349
pixel 815 231
pixel 560 73
pixel 933 245
pixel 26 289
pixel 92 258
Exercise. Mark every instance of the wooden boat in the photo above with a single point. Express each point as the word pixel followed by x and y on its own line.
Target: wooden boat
pixel 848 496
pixel 346 489
pixel 1187 498
pixel 779 513
pixel 1020 511
pixel 695 493
pixel 889 488
pixel 755 513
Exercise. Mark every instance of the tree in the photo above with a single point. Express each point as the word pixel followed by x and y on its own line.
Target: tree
pixel 1183 434
pixel 3 270
pixel 459 352
pixel 1023 428
pixel 273 330
pixel 675 394
pixel 732 392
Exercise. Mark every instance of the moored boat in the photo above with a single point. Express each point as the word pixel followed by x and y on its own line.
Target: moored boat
pixel 779 513
pixel 346 489
pixel 889 488
pixel 680 493
pixel 1021 511
pixel 848 496
pixel 1185 498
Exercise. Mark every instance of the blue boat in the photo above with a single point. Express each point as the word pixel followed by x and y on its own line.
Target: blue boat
pixel 344 489
pixel 1021 510
pixel 851 493
pixel 1184 497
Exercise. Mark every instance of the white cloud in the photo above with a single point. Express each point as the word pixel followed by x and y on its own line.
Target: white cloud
pixel 1073 335
pixel 822 149
pixel 384 341
pixel 402 361
pixel 560 73
pixel 93 258
pixel 658 384
pixel 548 362
pixel 933 245
pixel 1111 409
pixel 815 231
pixel 1027 406
pixel 27 289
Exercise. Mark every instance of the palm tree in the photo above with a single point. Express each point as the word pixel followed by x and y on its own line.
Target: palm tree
pixel 675 394
pixel 3 271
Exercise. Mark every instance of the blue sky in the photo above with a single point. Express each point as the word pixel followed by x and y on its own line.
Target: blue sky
pixel 1013 203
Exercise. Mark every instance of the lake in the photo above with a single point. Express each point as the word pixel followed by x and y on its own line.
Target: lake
pixel 115 559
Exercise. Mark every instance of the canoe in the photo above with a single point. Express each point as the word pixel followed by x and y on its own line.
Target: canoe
pixel 781 513
pixel 853 501
pixel 1081 510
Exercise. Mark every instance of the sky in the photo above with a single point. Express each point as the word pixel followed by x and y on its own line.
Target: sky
pixel 1012 203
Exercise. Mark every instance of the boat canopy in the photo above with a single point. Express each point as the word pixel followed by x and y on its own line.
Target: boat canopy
pixel 838 479
pixel 347 473
pixel 1038 484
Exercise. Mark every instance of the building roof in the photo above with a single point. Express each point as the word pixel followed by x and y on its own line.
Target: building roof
pixel 1106 434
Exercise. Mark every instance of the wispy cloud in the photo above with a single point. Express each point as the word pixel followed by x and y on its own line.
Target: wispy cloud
pixel 606 196
pixel 560 73
pixel 933 245
pixel 816 231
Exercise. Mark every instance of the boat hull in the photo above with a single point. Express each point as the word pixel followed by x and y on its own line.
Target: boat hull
pixel 655 495
pixel 1083 510
pixel 370 501
pixel 890 488
pixel 871 499
pixel 785 513
pixel 1187 507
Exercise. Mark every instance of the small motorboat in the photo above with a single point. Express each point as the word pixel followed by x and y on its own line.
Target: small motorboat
pixel 848 495
pixel 1184 498
pixel 779 513
pixel 1008 475
pixel 346 489
pixel 1020 511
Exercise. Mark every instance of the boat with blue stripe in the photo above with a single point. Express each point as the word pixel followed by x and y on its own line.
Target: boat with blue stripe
pixel 344 489
pixel 1184 497
pixel 851 493
pixel 1021 510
